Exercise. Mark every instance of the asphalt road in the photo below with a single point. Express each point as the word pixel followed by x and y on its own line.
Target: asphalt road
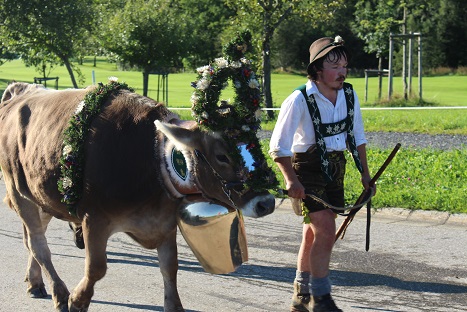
pixel 416 262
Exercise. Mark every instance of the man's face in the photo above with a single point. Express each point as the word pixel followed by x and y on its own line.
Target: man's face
pixel 333 74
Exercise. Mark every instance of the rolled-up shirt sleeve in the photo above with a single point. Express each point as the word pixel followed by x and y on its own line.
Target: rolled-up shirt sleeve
pixel 286 126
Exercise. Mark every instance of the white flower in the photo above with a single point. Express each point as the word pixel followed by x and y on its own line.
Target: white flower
pixel 113 79
pixel 338 40
pixel 194 99
pixel 245 61
pixel 205 115
pixel 202 69
pixel 203 84
pixel 207 74
pixel 253 83
pixel 245 128
pixel 236 65
pixel 67 150
pixel 67 182
pixel 221 62
pixel 79 108
pixel 258 114
pixel 224 111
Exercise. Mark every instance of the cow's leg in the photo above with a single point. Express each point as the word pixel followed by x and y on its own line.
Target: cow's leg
pixel 34 225
pixel 95 236
pixel 168 263
pixel 36 287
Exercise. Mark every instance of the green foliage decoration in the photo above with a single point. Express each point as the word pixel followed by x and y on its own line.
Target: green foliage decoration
pixel 239 121
pixel 72 160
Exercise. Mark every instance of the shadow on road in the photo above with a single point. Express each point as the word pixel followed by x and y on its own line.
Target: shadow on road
pixel 358 279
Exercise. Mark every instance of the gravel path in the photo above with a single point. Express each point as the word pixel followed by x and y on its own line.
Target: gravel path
pixel 387 140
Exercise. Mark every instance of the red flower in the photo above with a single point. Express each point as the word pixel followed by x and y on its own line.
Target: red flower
pixel 250 146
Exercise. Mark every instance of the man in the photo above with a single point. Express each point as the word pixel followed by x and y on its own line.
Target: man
pixel 316 124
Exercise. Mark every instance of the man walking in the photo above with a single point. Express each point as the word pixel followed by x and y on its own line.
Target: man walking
pixel 316 124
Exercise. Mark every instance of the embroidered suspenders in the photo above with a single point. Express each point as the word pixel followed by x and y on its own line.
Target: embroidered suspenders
pixel 330 129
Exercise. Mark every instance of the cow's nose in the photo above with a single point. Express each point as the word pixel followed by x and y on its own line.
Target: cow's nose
pixel 265 206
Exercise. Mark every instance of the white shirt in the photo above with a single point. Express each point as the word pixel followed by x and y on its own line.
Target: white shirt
pixel 294 132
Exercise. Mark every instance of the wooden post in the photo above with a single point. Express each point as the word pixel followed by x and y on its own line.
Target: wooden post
pixel 390 75
pixel 366 85
pixel 420 66
pixel 410 63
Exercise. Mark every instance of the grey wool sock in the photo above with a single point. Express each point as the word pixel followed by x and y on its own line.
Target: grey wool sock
pixel 303 280
pixel 320 286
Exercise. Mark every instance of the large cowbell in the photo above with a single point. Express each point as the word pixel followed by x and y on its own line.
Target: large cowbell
pixel 215 233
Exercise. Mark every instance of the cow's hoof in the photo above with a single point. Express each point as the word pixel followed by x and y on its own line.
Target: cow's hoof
pixel 72 308
pixel 38 292
pixel 77 235
pixel 62 308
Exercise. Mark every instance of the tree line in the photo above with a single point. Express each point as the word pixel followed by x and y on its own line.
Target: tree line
pixel 168 35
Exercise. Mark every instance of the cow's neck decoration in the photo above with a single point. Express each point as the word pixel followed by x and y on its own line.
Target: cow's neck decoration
pixel 239 121
pixel 70 183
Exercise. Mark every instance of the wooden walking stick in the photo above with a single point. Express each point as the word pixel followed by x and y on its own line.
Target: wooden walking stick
pixel 352 213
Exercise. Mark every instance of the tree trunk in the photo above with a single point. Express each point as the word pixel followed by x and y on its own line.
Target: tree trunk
pixel 267 74
pixel 145 82
pixel 70 72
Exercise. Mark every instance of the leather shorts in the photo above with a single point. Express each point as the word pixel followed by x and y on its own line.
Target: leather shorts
pixel 307 166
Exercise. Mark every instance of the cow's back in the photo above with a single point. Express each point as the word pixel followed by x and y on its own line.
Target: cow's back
pixel 119 151
pixel 31 138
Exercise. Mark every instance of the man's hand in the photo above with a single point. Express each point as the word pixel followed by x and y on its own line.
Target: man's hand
pixel 295 190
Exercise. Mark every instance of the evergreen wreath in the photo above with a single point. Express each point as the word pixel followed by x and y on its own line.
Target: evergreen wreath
pixel 239 121
pixel 72 160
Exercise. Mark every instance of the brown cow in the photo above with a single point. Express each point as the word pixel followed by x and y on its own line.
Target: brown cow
pixel 126 186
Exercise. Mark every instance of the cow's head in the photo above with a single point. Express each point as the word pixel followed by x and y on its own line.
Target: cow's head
pixel 214 172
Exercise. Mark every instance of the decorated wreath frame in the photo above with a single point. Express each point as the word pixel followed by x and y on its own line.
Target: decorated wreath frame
pixel 238 121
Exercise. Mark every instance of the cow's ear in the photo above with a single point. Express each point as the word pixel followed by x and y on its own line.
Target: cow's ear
pixel 183 138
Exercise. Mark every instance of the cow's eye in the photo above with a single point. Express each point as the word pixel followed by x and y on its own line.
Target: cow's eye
pixel 223 158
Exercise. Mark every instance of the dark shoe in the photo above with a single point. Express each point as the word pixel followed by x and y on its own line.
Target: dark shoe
pixel 78 235
pixel 300 300
pixel 324 304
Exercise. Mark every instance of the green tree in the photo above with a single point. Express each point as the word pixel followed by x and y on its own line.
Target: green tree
pixel 5 55
pixel 47 26
pixel 375 20
pixel 451 33
pixel 292 41
pixel 265 16
pixel 146 35
pixel 204 21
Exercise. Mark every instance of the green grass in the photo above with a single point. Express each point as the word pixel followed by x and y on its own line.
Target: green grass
pixel 432 121
pixel 415 179
pixel 442 90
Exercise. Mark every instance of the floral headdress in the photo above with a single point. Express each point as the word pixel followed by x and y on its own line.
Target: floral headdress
pixel 238 121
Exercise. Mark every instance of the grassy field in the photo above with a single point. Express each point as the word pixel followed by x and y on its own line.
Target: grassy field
pixel 441 91
pixel 416 179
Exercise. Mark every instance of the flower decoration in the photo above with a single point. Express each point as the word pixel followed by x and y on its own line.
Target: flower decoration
pixel 338 41
pixel 70 184
pixel 238 121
